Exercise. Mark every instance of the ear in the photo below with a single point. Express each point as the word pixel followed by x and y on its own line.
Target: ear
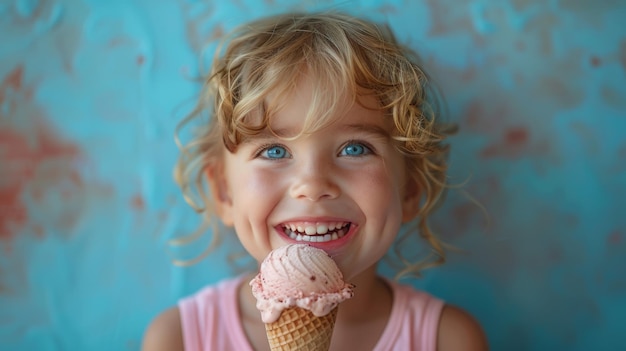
pixel 411 200
pixel 220 193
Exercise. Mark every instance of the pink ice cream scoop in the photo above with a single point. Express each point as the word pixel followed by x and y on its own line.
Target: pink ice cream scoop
pixel 299 275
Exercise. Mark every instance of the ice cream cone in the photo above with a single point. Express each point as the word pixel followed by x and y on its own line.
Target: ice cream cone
pixel 298 290
pixel 300 329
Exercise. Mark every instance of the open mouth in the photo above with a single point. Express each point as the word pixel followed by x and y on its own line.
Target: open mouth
pixel 318 232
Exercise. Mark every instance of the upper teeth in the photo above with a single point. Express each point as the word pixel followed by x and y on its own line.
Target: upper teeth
pixel 318 232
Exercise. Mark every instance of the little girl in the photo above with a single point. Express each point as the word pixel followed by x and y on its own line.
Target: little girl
pixel 320 132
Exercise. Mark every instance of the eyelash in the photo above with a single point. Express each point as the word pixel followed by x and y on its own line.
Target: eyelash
pixel 263 148
pixel 369 149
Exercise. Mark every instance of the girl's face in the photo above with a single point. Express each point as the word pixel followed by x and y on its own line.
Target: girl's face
pixel 342 188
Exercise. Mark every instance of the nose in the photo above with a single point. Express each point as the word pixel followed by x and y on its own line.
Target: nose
pixel 315 182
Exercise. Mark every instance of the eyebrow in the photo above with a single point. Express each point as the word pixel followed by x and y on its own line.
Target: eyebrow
pixel 368 128
pixel 359 128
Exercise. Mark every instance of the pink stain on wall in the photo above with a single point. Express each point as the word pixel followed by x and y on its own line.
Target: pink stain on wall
pixel 138 203
pixel 12 82
pixel 614 238
pixel 512 145
pixel 613 97
pixel 484 117
pixel 516 136
pixel 24 160
pixel 561 91
pixel 444 22
pixel 13 212
pixel 34 159
pixel 595 61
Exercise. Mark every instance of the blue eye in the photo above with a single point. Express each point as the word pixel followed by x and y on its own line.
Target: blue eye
pixel 355 149
pixel 275 152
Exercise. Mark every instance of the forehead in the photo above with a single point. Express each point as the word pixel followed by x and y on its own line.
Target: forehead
pixel 308 107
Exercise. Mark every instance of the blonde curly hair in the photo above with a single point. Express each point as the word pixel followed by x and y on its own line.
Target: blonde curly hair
pixel 346 56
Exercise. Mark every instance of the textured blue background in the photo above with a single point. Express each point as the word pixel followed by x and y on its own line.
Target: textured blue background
pixel 90 92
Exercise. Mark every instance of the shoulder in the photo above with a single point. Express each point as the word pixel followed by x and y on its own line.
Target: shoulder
pixel 197 312
pixel 458 330
pixel 164 332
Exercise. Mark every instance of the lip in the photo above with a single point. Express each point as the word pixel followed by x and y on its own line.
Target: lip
pixel 327 246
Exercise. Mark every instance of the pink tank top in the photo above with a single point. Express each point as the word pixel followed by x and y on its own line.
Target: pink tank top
pixel 210 320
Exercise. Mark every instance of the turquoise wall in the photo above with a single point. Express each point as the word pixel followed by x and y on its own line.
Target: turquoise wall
pixel 90 93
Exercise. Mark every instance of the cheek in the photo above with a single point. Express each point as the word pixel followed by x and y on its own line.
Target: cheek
pixel 255 193
pixel 249 184
pixel 381 186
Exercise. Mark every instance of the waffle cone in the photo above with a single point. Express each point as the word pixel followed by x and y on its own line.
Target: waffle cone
pixel 300 329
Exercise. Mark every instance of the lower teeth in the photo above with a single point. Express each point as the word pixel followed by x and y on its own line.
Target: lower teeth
pixel 317 238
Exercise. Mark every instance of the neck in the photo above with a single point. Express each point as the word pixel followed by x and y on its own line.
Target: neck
pixel 372 298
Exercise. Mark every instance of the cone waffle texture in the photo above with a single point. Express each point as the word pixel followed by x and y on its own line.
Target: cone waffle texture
pixel 300 329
